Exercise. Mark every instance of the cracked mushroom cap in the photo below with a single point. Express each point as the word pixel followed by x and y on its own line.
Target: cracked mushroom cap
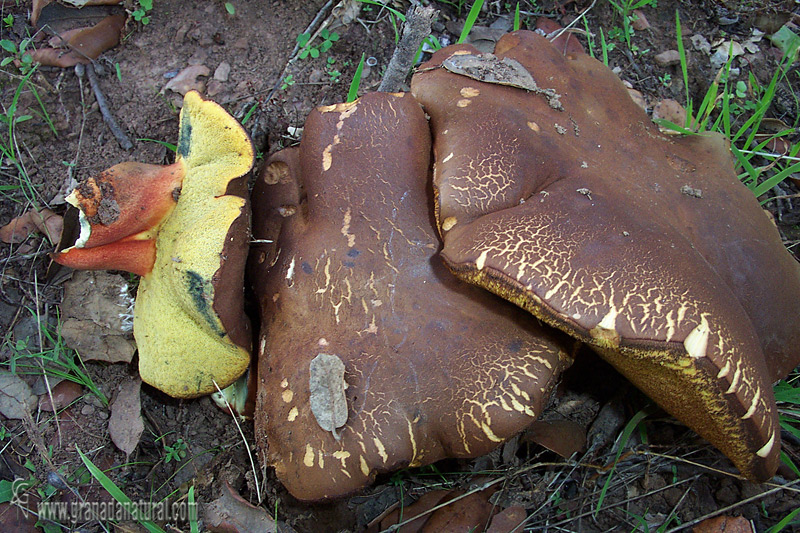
pixel 565 199
pixel 416 366
pixel 184 229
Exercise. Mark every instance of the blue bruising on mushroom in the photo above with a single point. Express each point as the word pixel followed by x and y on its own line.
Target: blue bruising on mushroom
pixel 185 136
pixel 197 289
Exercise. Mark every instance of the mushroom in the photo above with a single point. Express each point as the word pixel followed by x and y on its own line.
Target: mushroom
pixel 564 198
pixel 417 365
pixel 184 229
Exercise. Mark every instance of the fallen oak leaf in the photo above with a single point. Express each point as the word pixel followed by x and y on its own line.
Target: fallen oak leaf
pixel 83 45
pixel 125 425
pixel 45 221
pixel 98 316
pixel 16 398
pixel 61 396
pixel 327 385
pixel 230 513
pixel 186 80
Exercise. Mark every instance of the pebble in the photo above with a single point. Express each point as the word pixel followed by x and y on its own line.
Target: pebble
pixel 668 58
pixel 223 71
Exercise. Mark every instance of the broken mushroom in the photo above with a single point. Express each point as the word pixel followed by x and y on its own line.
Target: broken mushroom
pixel 418 366
pixel 568 201
pixel 184 229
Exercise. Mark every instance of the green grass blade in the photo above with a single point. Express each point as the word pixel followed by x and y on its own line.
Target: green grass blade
pixel 117 493
pixel 788 520
pixel 775 179
pixel 604 47
pixel 392 10
pixel 168 146
pixel 684 69
pixel 621 442
pixel 194 527
pixel 472 16
pixel 516 17
pixel 352 94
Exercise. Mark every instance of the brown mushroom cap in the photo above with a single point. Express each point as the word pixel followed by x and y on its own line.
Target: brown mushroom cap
pixel 433 367
pixel 569 202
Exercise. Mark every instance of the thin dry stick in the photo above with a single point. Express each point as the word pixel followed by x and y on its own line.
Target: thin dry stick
pixel 417 27
pixel 121 136
pixel 733 506
pixel 296 51
pixel 246 446
pixel 479 488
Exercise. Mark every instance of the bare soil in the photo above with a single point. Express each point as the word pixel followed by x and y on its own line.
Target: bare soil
pixel 667 476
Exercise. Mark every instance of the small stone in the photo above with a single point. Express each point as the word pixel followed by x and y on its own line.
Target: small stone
pixel 640 21
pixel 223 71
pixel 87 410
pixel 214 88
pixel 668 58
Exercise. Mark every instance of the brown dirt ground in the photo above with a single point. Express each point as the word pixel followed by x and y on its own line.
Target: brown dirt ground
pixel 660 482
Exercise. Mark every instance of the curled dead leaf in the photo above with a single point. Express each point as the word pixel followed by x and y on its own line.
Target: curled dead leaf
pixel 44 221
pixel 98 315
pixel 125 426
pixel 16 398
pixel 83 45
pixel 327 385
pixel 563 437
pixel 672 111
pixel 62 395
pixel 186 80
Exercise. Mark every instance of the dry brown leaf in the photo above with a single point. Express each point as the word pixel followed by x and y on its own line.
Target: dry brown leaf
pixel 16 398
pixel 38 5
pixel 327 385
pixel 672 111
pixel 62 395
pixel 45 221
pixel 508 520
pixel 420 508
pixel 230 513
pixel 18 229
pixel 563 437
pixel 186 80
pixel 83 45
pixel 125 425
pixel 470 513
pixel 97 313
pixel 724 524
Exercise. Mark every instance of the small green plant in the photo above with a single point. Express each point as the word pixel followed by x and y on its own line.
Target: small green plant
pixel 55 360
pixel 142 13
pixel 17 53
pixel 176 452
pixel 665 79
pixel 625 8
pixel 288 81
pixel 304 40
pixel 721 111
pixel 333 74
pixel 117 493
pixel 8 21
pixel 229 7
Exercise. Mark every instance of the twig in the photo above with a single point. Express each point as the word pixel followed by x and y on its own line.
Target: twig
pixel 123 140
pixel 296 51
pixel 246 445
pixel 687 525
pixel 416 28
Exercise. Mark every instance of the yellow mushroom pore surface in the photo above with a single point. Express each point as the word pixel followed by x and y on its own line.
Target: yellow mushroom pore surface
pixel 183 345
